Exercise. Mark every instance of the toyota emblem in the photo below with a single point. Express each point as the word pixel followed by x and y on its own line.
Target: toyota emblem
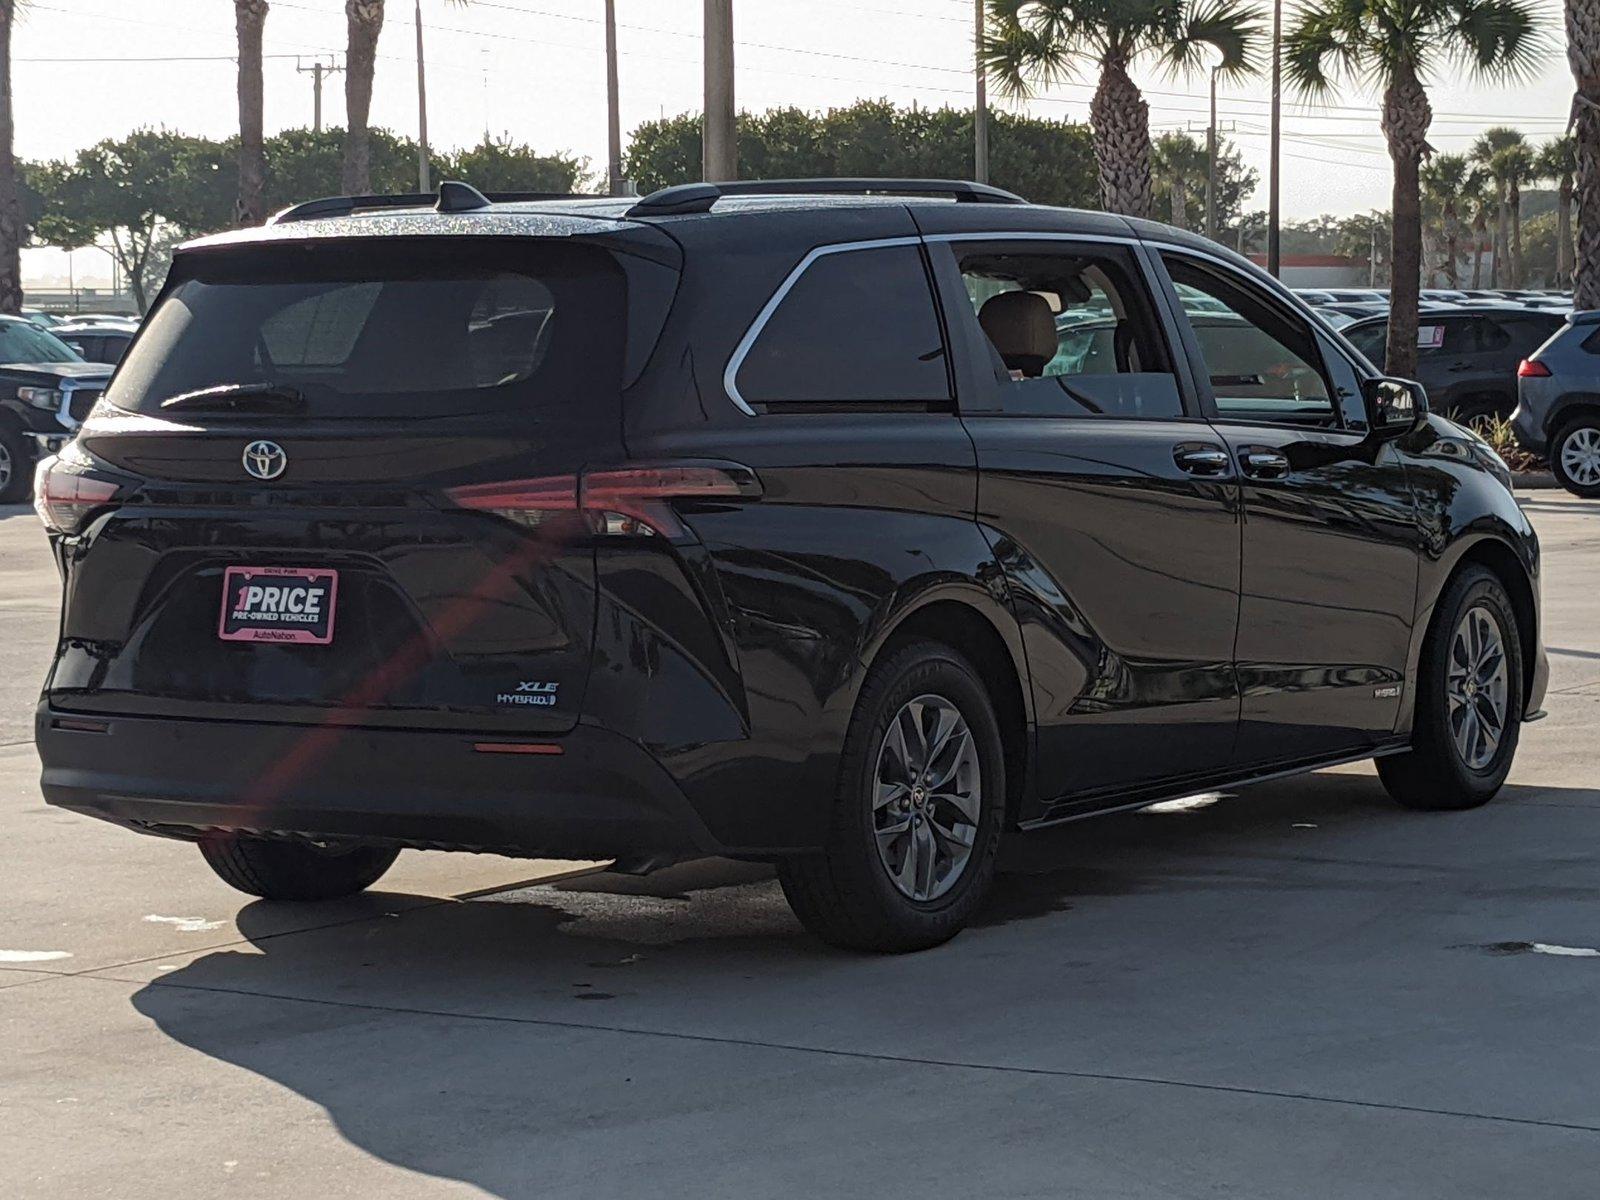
pixel 265 460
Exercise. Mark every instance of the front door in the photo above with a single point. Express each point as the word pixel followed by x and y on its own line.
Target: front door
pixel 1111 506
pixel 1328 587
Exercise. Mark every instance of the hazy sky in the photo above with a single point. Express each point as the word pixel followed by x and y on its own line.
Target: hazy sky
pixel 535 69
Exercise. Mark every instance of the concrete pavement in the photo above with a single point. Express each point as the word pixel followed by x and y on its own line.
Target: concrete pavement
pixel 1302 991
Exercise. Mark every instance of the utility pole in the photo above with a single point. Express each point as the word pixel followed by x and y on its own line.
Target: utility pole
pixel 425 185
pixel 1274 257
pixel 613 111
pixel 720 159
pixel 317 70
pixel 980 113
pixel 1211 162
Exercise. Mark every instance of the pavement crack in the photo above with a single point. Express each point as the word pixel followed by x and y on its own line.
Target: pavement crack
pixel 874 1056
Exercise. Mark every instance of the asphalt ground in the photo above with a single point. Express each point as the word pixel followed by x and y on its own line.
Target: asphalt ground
pixel 1297 991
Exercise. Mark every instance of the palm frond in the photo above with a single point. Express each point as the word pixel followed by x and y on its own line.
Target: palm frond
pixel 1500 41
pixel 1233 28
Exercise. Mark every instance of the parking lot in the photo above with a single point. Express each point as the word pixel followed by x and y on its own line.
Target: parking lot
pixel 1302 991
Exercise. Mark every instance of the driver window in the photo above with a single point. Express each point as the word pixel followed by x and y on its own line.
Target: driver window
pixel 1070 332
pixel 1263 363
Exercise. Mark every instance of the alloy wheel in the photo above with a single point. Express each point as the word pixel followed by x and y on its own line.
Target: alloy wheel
pixel 7 466
pixel 1580 456
pixel 1476 683
pixel 927 797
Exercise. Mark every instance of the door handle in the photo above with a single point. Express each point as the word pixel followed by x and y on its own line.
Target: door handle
pixel 1201 458
pixel 1263 462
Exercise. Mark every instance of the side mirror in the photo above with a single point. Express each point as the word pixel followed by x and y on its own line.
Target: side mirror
pixel 1394 406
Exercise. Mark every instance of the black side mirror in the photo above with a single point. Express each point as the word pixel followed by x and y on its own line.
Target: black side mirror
pixel 1394 406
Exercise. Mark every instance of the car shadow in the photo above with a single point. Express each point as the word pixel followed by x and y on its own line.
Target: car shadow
pixel 492 1041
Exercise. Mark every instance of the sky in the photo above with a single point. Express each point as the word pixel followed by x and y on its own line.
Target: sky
pixel 84 70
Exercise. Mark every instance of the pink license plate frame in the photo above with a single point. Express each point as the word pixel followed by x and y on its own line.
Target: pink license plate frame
pixel 292 606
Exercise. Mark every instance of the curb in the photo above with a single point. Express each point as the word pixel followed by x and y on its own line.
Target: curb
pixel 1534 481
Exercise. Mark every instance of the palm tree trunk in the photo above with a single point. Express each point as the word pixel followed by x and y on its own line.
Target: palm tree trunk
pixel 1514 198
pixel 1180 202
pixel 1564 232
pixel 1479 228
pixel 250 18
pixel 1406 117
pixel 1583 56
pixel 1498 256
pixel 1120 121
pixel 364 20
pixel 11 231
pixel 1452 246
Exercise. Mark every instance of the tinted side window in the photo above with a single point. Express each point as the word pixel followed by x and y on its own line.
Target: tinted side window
pixel 858 325
pixel 1263 362
pixel 1370 341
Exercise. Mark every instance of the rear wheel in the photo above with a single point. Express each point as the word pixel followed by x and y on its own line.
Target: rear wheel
pixel 1469 706
pixel 279 870
pixel 1575 456
pixel 15 478
pixel 917 811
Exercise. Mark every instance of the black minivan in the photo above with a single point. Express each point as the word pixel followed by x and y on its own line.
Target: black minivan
pixel 849 525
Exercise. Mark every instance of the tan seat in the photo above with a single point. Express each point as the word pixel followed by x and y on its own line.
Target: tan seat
pixel 1022 329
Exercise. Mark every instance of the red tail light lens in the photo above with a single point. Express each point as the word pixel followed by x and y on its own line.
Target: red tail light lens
pixel 616 502
pixel 64 496
pixel 1531 369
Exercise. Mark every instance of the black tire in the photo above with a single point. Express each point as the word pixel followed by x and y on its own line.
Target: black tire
pixel 281 870
pixel 1434 774
pixel 16 466
pixel 845 895
pixel 1590 423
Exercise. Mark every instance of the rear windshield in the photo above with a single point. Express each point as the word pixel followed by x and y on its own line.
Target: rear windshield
pixel 364 328
pixel 25 342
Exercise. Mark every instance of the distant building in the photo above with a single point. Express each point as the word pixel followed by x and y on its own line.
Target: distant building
pixel 1319 270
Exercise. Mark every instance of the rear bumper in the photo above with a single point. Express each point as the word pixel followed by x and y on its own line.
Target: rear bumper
pixel 1527 426
pixel 603 796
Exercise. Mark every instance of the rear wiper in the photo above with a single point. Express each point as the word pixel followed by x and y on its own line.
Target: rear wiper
pixel 261 397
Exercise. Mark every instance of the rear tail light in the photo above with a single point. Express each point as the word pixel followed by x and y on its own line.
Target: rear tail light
pixel 64 495
pixel 614 502
pixel 1530 368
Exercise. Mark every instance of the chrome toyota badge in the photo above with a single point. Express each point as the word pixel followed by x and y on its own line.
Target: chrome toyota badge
pixel 265 460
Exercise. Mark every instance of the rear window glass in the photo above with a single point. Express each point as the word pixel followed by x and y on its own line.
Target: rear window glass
pixel 399 329
pixel 25 342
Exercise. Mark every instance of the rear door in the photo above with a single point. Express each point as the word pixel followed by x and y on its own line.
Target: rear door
pixel 1111 505
pixel 382 527
pixel 1328 586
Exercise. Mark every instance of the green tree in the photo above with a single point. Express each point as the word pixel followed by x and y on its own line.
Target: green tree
pixel 1557 160
pixel 138 191
pixel 1444 179
pixel 1046 41
pixel 506 166
pixel 1050 162
pixel 1399 46
pixel 250 19
pixel 12 230
pixel 1179 166
pixel 1504 153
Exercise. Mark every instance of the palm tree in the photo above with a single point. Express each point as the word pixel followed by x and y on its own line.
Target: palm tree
pixel 1505 154
pixel 1444 179
pixel 250 19
pixel 363 22
pixel 1399 45
pixel 1179 163
pixel 1046 41
pixel 1583 57
pixel 11 231
pixel 1557 159
pixel 1479 199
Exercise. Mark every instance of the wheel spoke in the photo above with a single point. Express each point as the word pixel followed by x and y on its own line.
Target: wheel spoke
pixel 927 856
pixel 961 833
pixel 890 793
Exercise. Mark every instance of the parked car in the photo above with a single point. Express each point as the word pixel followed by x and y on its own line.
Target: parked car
pixel 45 390
pixel 39 317
pixel 1468 359
pixel 771 520
pixel 97 341
pixel 1558 403
pixel 1340 315
pixel 1314 297
pixel 1446 295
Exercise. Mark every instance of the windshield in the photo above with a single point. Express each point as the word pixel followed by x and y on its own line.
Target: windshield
pixel 398 328
pixel 25 342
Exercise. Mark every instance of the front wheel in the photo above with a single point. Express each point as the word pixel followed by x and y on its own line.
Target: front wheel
pixel 1575 456
pixel 281 870
pixel 917 811
pixel 1469 706
pixel 16 462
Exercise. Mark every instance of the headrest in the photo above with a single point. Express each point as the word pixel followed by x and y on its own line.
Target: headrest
pixel 1022 329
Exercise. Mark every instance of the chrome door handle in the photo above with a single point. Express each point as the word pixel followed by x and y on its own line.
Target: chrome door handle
pixel 1201 458
pixel 1260 462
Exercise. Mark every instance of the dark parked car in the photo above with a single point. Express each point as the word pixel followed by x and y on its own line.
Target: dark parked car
pixel 1558 403
pixel 45 390
pixel 850 532
pixel 1467 360
pixel 97 341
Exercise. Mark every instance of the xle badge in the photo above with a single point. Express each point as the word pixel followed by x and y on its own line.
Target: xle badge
pixel 531 691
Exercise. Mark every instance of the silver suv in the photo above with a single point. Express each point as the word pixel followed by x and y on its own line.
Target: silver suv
pixel 1558 403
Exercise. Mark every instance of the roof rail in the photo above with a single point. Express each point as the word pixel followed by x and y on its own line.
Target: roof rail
pixel 699 197
pixel 451 197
